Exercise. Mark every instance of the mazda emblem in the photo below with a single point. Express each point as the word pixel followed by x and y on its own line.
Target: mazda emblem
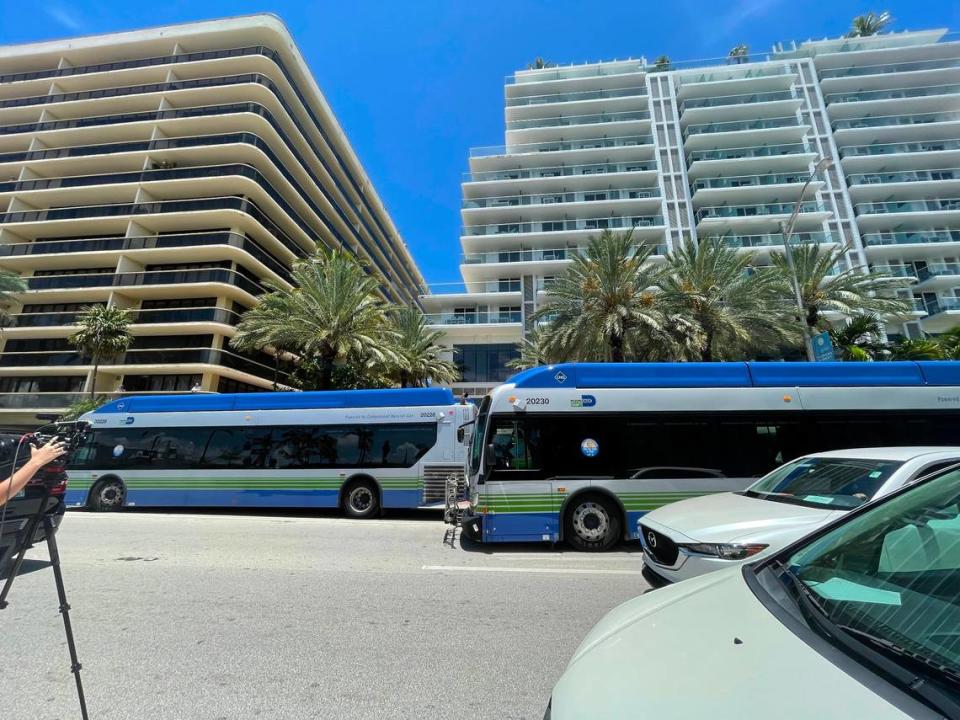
pixel 651 539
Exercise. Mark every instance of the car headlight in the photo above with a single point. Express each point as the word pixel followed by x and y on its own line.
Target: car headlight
pixel 725 551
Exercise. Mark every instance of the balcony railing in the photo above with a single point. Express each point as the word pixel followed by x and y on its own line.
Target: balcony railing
pixel 560 146
pixel 474 318
pixel 912 66
pixel 944 269
pixel 559 198
pixel 150 277
pixel 577 96
pixel 740 211
pixel 906 206
pixel 737 126
pixel 740 181
pixel 895 120
pixel 748 73
pixel 895 270
pixel 152 315
pixel 161 356
pixel 750 152
pixel 867 95
pixel 898 148
pixel 745 99
pixel 578 120
pixel 904 176
pixel 942 304
pixel 559 171
pixel 535 255
pixel 48 247
pixel 564 225
pixel 911 238
pixel 775 239
pixel 63 400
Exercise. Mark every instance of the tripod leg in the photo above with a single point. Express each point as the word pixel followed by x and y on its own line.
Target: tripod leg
pixel 23 540
pixel 65 611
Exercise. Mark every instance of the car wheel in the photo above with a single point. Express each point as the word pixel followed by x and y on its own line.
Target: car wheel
pixel 108 496
pixel 592 523
pixel 361 499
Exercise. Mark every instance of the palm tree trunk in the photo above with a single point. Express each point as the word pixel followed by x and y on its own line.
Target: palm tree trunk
pixel 327 358
pixel 616 348
pixel 404 378
pixel 93 380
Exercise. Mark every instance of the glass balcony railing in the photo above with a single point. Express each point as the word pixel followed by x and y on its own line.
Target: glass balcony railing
pixel 560 146
pixel 738 126
pixel 746 99
pixel 887 68
pixel 903 176
pixel 895 120
pixel 945 269
pixel 638 91
pixel 50 247
pixel 895 270
pixel 611 223
pixel 149 277
pixel 559 171
pixel 577 120
pixel 508 201
pixel 907 206
pixel 899 148
pixel 158 315
pixel 474 318
pixel 747 73
pixel 895 94
pixel 750 181
pixel 750 152
pixel 43 319
pixel 534 255
pixel 776 239
pixel 742 211
pixel 942 304
pixel 911 238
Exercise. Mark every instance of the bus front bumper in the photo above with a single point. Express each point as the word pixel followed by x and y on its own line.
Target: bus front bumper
pixel 472 526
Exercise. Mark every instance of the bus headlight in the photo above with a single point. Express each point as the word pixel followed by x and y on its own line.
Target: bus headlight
pixel 725 551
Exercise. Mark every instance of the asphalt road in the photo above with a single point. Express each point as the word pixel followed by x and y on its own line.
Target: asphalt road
pixel 224 617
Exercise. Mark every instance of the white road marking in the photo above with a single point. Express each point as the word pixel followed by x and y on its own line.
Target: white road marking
pixel 558 571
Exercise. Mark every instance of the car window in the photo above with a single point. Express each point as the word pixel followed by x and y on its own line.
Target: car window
pixel 934 468
pixel 835 483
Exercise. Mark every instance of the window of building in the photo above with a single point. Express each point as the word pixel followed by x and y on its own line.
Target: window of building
pixel 485 363
pixel 160 383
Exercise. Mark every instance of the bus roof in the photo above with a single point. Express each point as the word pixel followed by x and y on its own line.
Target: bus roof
pixel 331 399
pixel 740 374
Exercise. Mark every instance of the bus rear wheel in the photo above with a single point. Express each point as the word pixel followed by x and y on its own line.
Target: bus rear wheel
pixel 592 523
pixel 107 496
pixel 361 499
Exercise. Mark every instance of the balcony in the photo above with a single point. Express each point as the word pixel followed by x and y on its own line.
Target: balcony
pixel 895 120
pixel 203 356
pixel 53 401
pixel 898 148
pixel 741 181
pixel 560 146
pixel 221 316
pixel 759 151
pixel 887 68
pixel 907 206
pixel 904 271
pixel 942 305
pixel 746 211
pixel 746 99
pixel 774 240
pixel 552 199
pixel 639 91
pixel 739 126
pixel 474 318
pixel 559 171
pixel 589 224
pixel 896 94
pixel 151 277
pixel 928 237
pixel 533 255
pixel 939 274
pixel 573 120
pixel 904 177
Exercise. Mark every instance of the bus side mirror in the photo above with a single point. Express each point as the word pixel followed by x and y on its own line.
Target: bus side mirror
pixel 488 457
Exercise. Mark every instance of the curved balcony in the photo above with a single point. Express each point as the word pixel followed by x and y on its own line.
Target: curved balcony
pixel 221 316
pixel 573 120
pixel 746 211
pixel 593 224
pixel 552 199
pixel 742 125
pixel 560 146
pixel 148 277
pixel 908 206
pixel 887 68
pixel 750 152
pixel 898 148
pixel 895 120
pixel 122 244
pixel 638 91
pixel 559 171
pixel 743 99
pixel 920 237
pixel 904 176
pixel 895 94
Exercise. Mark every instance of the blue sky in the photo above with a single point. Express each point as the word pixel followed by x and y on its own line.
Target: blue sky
pixel 416 84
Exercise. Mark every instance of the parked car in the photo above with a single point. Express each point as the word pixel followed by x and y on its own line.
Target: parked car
pixel 859 620
pixel 711 532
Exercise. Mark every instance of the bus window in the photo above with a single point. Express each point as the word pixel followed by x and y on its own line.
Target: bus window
pixel 178 447
pixel 516 445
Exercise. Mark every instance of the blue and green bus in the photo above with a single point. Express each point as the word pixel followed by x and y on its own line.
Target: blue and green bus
pixel 360 450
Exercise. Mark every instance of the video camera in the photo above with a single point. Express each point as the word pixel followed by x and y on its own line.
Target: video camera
pixel 71 433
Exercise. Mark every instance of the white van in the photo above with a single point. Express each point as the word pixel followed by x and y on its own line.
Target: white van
pixel 859 620
pixel 703 534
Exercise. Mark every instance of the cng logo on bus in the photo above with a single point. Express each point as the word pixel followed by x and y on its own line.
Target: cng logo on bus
pixel 583 401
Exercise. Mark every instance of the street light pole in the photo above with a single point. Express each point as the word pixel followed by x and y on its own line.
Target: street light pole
pixel 787 231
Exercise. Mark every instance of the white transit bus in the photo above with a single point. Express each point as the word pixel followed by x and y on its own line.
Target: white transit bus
pixel 579 452
pixel 360 450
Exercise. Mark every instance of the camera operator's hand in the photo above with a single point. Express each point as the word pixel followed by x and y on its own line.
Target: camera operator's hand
pixel 40 456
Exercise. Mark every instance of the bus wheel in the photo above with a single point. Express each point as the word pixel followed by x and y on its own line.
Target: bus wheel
pixel 361 499
pixel 108 496
pixel 592 523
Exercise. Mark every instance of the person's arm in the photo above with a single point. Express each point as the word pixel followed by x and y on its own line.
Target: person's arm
pixel 38 458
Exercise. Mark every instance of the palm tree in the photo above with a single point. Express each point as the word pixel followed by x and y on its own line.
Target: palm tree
pixel 854 291
pixel 950 343
pixel 859 338
pixel 419 349
pixel 661 64
pixel 332 314
pixel 540 64
pixel 869 24
pixel 739 54
pixel 922 349
pixel 599 307
pixel 734 308
pixel 104 333
pixel 532 351
pixel 9 283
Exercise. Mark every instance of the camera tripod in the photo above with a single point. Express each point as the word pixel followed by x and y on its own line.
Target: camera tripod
pixel 22 530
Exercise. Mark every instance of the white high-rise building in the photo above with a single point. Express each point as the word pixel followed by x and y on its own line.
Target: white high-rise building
pixel 719 148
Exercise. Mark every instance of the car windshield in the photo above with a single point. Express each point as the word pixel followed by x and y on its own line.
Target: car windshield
pixel 835 483
pixel 891 577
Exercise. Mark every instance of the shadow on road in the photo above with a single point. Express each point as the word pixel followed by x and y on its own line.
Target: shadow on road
pixel 468 545
pixel 28 567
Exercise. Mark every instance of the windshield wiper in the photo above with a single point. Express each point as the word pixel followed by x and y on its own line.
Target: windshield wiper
pixel 918 685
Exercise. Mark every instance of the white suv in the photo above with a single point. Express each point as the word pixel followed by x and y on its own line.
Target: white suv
pixel 711 532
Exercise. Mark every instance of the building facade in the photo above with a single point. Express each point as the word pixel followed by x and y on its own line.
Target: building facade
pixel 170 171
pixel 723 148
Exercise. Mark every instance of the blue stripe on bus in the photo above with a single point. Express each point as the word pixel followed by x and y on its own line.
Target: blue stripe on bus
pixel 521 527
pixel 154 497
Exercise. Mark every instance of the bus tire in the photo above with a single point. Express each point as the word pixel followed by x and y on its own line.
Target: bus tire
pixel 592 523
pixel 107 496
pixel 361 499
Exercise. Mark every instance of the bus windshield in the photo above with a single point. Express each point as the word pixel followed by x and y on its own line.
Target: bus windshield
pixel 476 447
pixel 836 483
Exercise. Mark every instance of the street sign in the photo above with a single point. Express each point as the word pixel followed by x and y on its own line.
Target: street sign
pixel 823 347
